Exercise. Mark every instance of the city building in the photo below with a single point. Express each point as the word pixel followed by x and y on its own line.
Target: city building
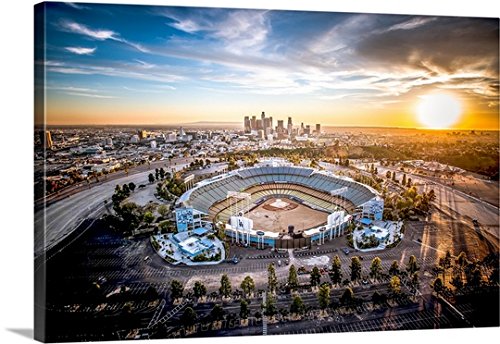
pixel 48 138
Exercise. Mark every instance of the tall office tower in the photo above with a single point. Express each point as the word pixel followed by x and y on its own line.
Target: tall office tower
pixel 307 131
pixel 318 129
pixel 182 132
pixel 289 126
pixel 271 123
pixel 301 128
pixel 253 123
pixel 246 124
pixel 266 123
pixel 263 115
pixel 260 124
pixel 143 134
pixel 280 128
pixel 48 138
pixel 260 134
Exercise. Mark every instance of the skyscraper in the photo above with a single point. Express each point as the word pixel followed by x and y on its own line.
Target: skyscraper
pixel 318 129
pixel 247 125
pixel 280 128
pixel 253 123
pixel 48 138
pixel 289 126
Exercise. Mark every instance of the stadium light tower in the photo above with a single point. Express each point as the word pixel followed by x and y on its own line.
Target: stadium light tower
pixel 235 198
pixel 338 192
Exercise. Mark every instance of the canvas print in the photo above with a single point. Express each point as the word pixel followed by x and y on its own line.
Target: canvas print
pixel 205 172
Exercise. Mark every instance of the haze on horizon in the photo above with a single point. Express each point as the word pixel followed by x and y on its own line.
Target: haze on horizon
pixel 122 64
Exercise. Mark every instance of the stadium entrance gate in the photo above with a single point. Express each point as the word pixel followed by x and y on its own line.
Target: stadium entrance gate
pixel 292 243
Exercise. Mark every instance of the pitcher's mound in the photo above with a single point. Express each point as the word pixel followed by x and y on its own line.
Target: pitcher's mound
pixel 279 205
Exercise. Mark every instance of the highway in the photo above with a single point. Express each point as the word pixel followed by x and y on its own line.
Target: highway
pixel 64 216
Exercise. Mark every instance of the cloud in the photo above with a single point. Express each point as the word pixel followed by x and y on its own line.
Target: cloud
pixel 237 31
pixel 90 95
pixel 99 34
pixel 163 74
pixel 77 6
pixel 81 50
pixel 411 24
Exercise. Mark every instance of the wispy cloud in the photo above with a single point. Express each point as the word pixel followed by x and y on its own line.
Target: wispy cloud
pixel 238 31
pixel 99 34
pixel 81 50
pixel 90 95
pixel 77 6
pixel 411 24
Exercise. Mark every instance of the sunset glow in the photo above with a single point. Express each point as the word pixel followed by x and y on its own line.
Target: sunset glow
pixel 438 111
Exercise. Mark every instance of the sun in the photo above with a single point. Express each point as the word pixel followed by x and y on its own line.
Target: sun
pixel 438 111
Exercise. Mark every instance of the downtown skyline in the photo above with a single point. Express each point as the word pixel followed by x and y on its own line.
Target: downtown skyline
pixel 171 65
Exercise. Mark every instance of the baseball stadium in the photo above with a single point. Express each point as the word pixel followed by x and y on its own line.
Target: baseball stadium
pixel 276 204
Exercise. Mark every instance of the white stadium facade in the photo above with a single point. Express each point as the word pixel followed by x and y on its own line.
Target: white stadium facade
pixel 231 199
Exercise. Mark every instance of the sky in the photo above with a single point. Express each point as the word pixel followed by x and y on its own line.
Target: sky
pixel 123 64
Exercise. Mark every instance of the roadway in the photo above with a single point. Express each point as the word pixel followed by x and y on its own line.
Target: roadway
pixel 61 218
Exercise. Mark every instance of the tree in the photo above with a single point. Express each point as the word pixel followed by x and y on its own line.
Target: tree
pixel 176 289
pixel 125 190
pixel 388 174
pixel 376 267
pixel 199 289
pixel 355 268
pixel 151 178
pixel 163 210
pixel 148 217
pixel 324 296
pixel 394 269
pixel 151 293
pixel 447 260
pixel 473 275
pixel 293 280
pixel 244 310
pixel 347 297
pixel 189 317
pixel 494 277
pixel 315 276
pixel 297 306
pixel 456 279
pixel 412 265
pixel 414 282
pixel 395 285
pixel 408 183
pixel 131 186
pixel 431 195
pixel 225 286
pixel 247 285
pixel 336 274
pixel 270 306
pixel 438 285
pixel 162 173
pixel 462 260
pixel 217 313
pixel 378 298
pixel 272 281
pixel 403 182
